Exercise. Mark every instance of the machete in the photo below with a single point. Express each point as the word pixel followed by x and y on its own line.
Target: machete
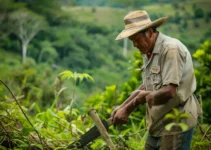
pixel 90 135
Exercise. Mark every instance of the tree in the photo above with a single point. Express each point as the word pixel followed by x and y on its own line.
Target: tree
pixel 25 25
pixel 198 13
pixel 203 75
pixel 127 3
pixel 48 53
pixel 4 7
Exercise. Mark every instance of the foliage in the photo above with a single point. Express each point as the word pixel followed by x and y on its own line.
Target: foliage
pixel 201 138
pixel 48 53
pixel 53 126
pixel 112 96
pixel 176 116
pixel 203 75
pixel 126 3
pixel 75 76
pixel 198 13
pixel 51 10
pixel 27 80
pixel 82 39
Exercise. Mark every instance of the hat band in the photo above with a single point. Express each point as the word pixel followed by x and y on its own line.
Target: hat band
pixel 138 19
pixel 137 24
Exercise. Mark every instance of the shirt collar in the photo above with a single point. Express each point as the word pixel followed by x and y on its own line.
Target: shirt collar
pixel 157 47
pixel 158 42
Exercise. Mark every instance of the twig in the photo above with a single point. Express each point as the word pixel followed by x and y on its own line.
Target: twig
pixel 205 133
pixel 23 112
pixel 12 118
pixel 6 133
pixel 200 127
pixel 125 144
pixel 65 127
pixel 12 127
pixel 200 100
pixel 93 114
pixel 137 132
pixel 18 97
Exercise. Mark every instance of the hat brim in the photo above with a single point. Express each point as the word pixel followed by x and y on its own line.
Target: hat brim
pixel 131 31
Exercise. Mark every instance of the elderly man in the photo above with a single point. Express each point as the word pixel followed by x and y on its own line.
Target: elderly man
pixel 168 82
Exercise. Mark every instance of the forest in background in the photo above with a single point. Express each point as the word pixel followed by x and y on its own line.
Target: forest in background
pixel 40 39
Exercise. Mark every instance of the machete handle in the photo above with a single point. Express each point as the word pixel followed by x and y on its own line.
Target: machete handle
pixel 109 121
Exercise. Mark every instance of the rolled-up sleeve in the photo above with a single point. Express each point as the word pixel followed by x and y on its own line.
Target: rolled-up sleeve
pixel 172 63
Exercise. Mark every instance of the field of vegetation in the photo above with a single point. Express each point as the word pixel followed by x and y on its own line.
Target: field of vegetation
pixel 59 59
pixel 188 20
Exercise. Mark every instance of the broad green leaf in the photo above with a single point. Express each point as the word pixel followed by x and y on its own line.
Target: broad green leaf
pixel 169 126
pixel 10 123
pixel 183 126
pixel 198 53
pixel 124 132
pixel 66 74
pixel 60 148
pixel 19 141
pixel 36 106
pixel 143 139
pixel 38 145
pixel 61 90
pixel 52 113
pixel 26 131
pixel 170 116
pixel 176 112
pixel 184 115
pixel 76 76
pixel 24 146
pixel 3 148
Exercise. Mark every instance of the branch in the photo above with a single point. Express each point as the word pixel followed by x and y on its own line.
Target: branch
pixel 23 112
pixel 200 127
pixel 205 134
pixel 5 133
pixel 93 114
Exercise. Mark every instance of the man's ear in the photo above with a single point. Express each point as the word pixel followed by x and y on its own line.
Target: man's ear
pixel 149 33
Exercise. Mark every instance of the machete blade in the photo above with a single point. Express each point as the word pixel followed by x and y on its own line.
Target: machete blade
pixel 89 136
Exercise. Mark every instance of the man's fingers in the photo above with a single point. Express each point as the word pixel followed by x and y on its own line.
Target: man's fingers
pixel 114 121
pixel 119 122
pixel 113 114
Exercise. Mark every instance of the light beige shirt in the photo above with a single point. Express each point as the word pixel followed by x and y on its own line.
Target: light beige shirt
pixel 171 62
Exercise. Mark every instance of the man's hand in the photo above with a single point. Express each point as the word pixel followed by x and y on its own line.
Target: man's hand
pixel 150 99
pixel 161 96
pixel 141 97
pixel 120 116
pixel 114 111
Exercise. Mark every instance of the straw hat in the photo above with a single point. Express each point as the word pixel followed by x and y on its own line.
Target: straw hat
pixel 136 21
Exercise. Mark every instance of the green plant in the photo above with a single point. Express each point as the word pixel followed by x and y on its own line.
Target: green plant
pixel 77 78
pixel 50 129
pixel 203 75
pixel 176 116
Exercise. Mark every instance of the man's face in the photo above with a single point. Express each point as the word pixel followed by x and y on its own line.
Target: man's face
pixel 141 41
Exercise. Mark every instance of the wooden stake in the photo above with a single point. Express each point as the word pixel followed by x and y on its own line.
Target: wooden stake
pixel 200 101
pixel 103 132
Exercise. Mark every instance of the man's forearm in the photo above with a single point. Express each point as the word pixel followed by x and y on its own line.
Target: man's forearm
pixel 139 99
pixel 164 94
pixel 134 94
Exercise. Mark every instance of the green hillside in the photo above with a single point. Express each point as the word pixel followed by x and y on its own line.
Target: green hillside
pixel 51 50
pixel 189 29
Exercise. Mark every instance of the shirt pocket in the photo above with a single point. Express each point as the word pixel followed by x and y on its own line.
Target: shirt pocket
pixel 157 81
